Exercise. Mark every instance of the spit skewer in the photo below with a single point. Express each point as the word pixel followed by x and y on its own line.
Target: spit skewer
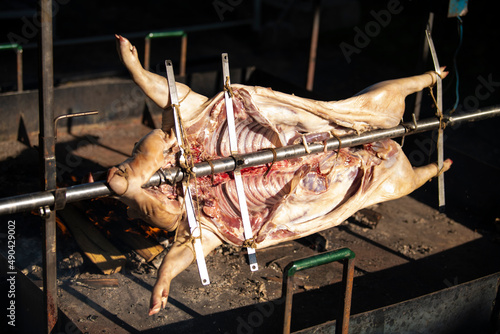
pixel 32 201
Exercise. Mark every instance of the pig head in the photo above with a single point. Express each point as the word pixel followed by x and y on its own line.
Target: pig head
pixel 161 208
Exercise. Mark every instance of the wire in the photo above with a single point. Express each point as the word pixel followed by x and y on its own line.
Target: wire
pixel 455 67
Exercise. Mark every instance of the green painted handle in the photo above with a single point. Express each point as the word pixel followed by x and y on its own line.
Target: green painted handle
pixel 178 33
pixel 318 260
pixel 10 46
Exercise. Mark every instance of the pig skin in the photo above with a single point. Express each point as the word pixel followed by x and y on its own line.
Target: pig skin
pixel 298 197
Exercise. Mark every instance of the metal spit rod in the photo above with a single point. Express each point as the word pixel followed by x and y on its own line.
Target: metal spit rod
pixel 28 202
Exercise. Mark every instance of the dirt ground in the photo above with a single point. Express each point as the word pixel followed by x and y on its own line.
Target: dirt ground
pixel 413 250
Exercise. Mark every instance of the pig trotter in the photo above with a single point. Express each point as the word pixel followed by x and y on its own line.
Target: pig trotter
pixel 178 258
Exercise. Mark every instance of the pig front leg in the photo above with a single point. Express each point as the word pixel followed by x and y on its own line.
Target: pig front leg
pixel 179 257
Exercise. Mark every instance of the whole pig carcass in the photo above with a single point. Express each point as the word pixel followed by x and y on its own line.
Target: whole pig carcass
pixel 297 197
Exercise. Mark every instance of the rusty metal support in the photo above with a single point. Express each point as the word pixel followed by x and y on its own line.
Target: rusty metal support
pixel 19 59
pixel 347 257
pixel 47 153
pixel 182 70
pixel 147 52
pixel 314 46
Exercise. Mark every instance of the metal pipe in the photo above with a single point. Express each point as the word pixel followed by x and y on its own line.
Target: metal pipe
pixel 346 299
pixel 147 52
pixel 182 71
pixel 140 34
pixel 19 60
pixel 78 114
pixel 47 153
pixel 256 15
pixel 314 46
pixel 421 63
pixel 172 175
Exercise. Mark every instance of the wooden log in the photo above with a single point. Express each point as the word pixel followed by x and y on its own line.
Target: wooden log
pixel 91 241
pixel 147 248
pixel 122 232
pixel 97 283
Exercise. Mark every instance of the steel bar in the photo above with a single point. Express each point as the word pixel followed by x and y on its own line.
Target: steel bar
pixel 78 114
pixel 439 113
pixel 422 62
pixel 19 60
pixel 344 254
pixel 182 69
pixel 194 225
pixel 314 46
pixel 238 180
pixel 33 201
pixel 47 154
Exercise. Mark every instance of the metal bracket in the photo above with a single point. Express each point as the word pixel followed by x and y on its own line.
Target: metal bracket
pixel 194 226
pixel 45 211
pixel 239 161
pixel 344 254
pixel 242 200
pixel 59 199
pixel 78 114
pixel 439 106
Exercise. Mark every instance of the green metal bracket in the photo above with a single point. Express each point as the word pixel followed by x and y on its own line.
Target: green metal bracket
pixel 10 46
pixel 19 54
pixel 347 257
pixel 166 34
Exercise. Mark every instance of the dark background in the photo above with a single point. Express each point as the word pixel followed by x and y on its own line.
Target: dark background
pixel 280 45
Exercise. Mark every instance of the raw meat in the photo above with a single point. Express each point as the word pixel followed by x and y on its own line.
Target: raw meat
pixel 297 197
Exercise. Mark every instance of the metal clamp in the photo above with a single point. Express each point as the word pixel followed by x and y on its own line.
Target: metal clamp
pixel 238 180
pixel 439 107
pixel 344 254
pixel 59 199
pixel 194 225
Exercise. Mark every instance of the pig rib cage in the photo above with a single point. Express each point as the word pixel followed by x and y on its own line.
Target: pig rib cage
pixel 61 196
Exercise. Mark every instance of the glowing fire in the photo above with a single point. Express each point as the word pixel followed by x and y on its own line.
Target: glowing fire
pixel 105 212
pixel 62 227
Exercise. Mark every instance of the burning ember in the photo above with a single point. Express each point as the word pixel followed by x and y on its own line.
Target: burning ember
pixel 108 215
pixel 104 233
